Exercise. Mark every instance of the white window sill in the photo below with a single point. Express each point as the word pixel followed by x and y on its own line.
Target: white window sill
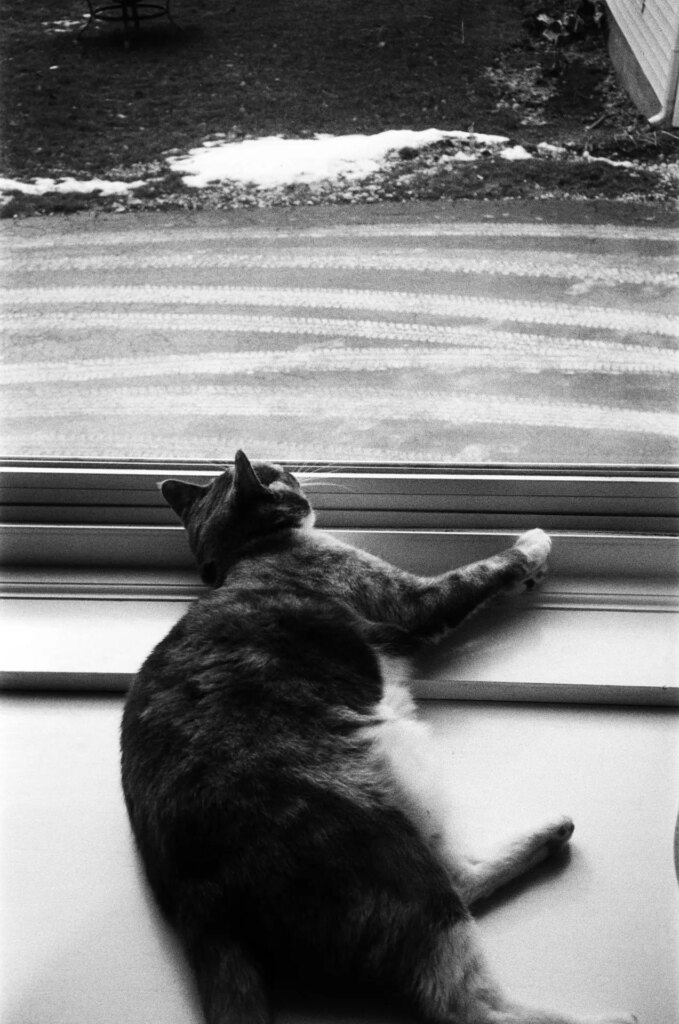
pixel 603 628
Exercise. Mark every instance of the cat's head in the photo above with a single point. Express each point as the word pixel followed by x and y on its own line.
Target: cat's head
pixel 243 504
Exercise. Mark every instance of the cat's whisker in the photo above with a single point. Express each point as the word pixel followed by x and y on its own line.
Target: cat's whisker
pixel 325 485
pixel 314 469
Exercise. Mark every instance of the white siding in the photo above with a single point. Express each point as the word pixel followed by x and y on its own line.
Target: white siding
pixel 651 27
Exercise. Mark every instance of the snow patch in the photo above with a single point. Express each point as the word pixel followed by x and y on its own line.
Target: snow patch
pixel 61 26
pixel 551 150
pixel 274 161
pixel 605 160
pixel 515 153
pixel 43 186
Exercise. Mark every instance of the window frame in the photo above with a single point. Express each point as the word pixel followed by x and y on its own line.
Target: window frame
pixel 414 496
pixel 85 537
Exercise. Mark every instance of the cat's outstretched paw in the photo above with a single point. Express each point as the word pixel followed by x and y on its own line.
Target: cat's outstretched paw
pixel 535 546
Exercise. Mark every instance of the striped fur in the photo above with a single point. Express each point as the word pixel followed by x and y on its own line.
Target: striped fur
pixel 278 782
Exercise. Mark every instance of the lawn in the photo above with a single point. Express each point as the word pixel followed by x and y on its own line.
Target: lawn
pixel 84 105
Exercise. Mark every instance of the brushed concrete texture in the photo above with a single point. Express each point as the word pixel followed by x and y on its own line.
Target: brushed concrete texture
pixel 520 335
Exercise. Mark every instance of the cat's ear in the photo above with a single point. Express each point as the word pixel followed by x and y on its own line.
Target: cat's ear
pixel 246 483
pixel 179 495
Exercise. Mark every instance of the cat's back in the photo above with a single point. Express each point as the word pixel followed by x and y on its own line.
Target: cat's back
pixel 273 656
pixel 281 606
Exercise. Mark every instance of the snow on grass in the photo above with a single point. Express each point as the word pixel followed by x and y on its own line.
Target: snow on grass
pixel 515 153
pixel 62 26
pixel 548 149
pixel 273 162
pixel 64 186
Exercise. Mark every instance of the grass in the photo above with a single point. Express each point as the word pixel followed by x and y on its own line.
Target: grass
pixel 86 106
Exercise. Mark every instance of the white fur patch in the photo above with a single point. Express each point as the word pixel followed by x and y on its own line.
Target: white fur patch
pixel 535 545
pixel 402 743
pixel 308 521
pixel 396 673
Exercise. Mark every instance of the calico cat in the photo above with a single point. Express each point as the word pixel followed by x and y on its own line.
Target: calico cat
pixel 281 833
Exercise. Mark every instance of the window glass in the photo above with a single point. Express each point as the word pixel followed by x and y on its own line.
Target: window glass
pixel 405 336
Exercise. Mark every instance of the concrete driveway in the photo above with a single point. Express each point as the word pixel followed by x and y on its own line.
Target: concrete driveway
pixel 461 333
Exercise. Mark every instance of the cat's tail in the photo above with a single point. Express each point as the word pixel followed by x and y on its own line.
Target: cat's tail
pixel 230 985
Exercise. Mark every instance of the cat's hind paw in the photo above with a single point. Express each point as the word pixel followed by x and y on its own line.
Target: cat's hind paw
pixel 557 833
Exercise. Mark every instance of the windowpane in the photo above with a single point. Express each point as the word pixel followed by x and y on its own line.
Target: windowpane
pixel 404 336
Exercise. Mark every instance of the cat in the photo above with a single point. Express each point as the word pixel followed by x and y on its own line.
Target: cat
pixel 282 832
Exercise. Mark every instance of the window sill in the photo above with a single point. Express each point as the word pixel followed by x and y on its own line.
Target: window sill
pixel 607 636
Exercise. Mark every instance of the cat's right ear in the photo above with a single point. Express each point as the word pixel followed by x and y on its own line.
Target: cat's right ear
pixel 246 483
pixel 179 495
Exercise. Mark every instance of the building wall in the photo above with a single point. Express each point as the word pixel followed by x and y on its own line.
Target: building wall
pixel 648 64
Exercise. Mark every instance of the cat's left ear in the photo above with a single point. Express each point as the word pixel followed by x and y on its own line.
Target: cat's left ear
pixel 180 495
pixel 246 483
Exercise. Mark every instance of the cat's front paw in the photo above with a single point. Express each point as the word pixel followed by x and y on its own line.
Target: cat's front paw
pixel 534 546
